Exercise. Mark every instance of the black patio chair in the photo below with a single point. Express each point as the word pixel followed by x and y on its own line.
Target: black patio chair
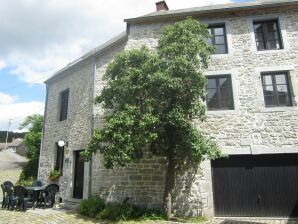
pixel 8 184
pixel 7 193
pixel 20 200
pixel 37 183
pixel 49 194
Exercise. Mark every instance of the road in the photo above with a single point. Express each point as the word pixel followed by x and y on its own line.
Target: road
pixel 10 167
pixel 10 160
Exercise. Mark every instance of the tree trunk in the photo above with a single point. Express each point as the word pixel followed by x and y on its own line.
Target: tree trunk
pixel 169 186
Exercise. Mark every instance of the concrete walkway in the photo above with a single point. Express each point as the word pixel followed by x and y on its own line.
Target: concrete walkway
pixel 10 160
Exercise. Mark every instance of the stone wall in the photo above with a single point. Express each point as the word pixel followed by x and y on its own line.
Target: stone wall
pixel 250 128
pixel 76 129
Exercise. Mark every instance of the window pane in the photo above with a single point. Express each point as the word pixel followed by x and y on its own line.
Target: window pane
pixel 211 83
pixel 219 31
pixel 278 93
pixel 212 103
pixel 273 44
pixel 261 45
pixel 269 100
pixel 283 99
pixel 273 36
pixel 220 40
pixel 220 49
pixel 281 89
pixel 64 105
pixel 211 93
pixel 226 104
pixel 209 41
pixel 268 89
pixel 271 26
pixel 258 28
pixel 220 97
pixel 280 79
pixel 267 80
pixel 267 35
pixel 259 37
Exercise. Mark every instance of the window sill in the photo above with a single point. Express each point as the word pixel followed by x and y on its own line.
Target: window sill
pixel 215 56
pixel 272 51
pixel 220 112
pixel 279 109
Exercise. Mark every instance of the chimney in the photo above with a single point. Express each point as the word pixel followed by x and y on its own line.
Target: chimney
pixel 161 6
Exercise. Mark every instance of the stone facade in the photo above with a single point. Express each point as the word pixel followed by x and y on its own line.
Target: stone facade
pixel 250 128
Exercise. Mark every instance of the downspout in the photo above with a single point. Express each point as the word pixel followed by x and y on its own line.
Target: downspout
pixel 92 123
pixel 43 130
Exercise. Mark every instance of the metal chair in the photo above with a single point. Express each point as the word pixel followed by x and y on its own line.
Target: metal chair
pixel 7 193
pixel 20 198
pixel 49 194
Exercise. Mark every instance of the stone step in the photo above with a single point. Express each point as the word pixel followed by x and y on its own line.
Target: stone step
pixel 68 205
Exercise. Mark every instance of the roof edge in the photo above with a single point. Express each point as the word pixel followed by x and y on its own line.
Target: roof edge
pixel 101 48
pixel 229 7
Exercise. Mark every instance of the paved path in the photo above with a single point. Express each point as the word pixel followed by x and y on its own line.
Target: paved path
pixel 10 160
pixel 10 167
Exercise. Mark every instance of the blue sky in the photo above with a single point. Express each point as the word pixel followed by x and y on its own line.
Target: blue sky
pixel 40 37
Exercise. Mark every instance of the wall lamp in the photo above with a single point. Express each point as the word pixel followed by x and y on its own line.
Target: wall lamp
pixel 62 142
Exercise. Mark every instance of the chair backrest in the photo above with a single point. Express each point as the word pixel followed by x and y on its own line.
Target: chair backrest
pixel 20 191
pixel 7 190
pixel 52 189
pixel 8 184
pixel 37 183
pixel 3 191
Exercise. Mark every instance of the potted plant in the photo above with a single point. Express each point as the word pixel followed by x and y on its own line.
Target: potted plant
pixel 54 175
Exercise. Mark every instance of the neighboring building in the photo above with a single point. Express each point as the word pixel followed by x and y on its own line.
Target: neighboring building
pixel 2 146
pixel 252 114
pixel 18 146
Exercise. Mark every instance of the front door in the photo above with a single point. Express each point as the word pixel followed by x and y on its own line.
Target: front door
pixel 78 176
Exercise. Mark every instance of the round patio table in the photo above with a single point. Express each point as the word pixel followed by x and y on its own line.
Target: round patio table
pixel 36 193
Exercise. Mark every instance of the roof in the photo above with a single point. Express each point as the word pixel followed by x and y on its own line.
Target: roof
pixel 15 143
pixel 3 145
pixel 96 51
pixel 206 10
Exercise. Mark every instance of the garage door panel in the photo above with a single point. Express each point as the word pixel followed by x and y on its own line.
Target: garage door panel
pixel 265 185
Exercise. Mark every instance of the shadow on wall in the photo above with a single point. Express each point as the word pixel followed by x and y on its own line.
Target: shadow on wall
pixel 187 197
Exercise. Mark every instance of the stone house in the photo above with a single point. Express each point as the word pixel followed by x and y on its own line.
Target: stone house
pixel 252 114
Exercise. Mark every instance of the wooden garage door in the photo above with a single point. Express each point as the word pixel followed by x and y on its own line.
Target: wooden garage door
pixel 264 185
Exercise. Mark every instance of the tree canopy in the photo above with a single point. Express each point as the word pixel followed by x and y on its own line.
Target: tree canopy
pixel 153 98
pixel 32 140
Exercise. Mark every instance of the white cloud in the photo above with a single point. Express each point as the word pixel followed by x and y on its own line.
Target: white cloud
pixel 2 64
pixel 6 99
pixel 39 37
pixel 18 112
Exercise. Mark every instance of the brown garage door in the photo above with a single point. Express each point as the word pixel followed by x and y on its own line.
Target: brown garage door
pixel 264 185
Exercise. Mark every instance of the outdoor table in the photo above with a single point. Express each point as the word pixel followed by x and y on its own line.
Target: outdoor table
pixel 36 192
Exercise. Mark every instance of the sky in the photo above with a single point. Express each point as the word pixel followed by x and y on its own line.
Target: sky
pixel 40 37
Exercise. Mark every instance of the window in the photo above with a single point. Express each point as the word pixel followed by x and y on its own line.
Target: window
pixel 59 158
pixel 220 93
pixel 218 39
pixel 276 89
pixel 64 105
pixel 267 35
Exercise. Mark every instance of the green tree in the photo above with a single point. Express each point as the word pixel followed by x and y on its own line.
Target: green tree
pixel 154 98
pixel 32 140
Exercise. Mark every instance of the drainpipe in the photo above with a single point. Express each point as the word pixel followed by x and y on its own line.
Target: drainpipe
pixel 43 130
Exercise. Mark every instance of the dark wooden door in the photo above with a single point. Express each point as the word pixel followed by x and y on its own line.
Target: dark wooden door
pixel 264 185
pixel 78 176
